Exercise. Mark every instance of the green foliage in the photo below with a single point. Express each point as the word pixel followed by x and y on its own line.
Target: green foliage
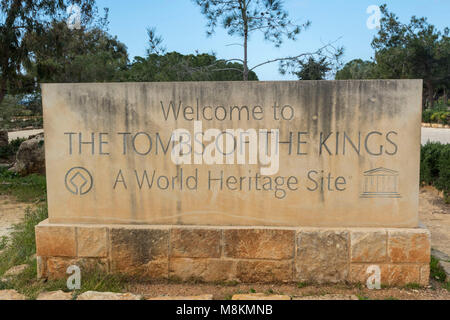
pixel 22 243
pixel 435 167
pixel 18 19
pixel 9 151
pixel 174 66
pixel 301 285
pixel 313 69
pixel 417 50
pixel 413 286
pixel 83 55
pixel 357 69
pixel 25 189
pixel 244 18
pixel 436 271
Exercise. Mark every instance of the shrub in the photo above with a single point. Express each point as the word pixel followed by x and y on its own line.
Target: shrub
pixel 9 152
pixel 435 167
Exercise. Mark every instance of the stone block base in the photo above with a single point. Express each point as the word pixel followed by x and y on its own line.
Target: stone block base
pixel 242 254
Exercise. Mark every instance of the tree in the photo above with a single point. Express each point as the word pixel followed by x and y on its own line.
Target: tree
pixel 312 69
pixel 245 17
pixel 174 66
pixel 19 18
pixel 357 69
pixel 84 55
pixel 413 50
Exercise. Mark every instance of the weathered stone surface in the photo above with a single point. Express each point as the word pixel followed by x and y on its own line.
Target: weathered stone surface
pixel 92 242
pixel 335 155
pixel 92 295
pixel 403 274
pixel 55 241
pixel 55 295
pixel 30 157
pixel 41 268
pixel 249 271
pixel 409 245
pixel 142 252
pixel 188 298
pixel 259 296
pixel 328 297
pixel 368 246
pixel 11 295
pixel 195 243
pixel 446 266
pixel 208 270
pixel 322 256
pixel 57 267
pixel 259 243
pixel 424 275
pixel 4 138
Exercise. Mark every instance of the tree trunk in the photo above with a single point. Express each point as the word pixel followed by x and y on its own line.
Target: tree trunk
pixel 430 93
pixel 245 58
pixel 2 89
pixel 243 7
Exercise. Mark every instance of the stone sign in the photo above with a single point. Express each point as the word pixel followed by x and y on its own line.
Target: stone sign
pixel 301 153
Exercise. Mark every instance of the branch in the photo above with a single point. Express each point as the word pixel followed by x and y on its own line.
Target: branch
pixel 296 57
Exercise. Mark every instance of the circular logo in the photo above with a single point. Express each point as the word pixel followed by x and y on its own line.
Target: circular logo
pixel 79 181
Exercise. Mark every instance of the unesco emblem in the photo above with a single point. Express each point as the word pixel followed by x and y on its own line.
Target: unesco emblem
pixel 79 181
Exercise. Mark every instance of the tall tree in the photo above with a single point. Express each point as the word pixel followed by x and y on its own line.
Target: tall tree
pixel 413 50
pixel 83 55
pixel 18 18
pixel 159 65
pixel 245 17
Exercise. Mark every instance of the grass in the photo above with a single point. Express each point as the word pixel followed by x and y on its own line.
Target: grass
pixel 413 285
pixel 22 244
pixel 31 188
pixel 436 271
pixel 301 285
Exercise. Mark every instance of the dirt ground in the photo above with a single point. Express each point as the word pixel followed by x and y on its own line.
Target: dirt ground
pixel 11 212
pixel 223 292
pixel 435 214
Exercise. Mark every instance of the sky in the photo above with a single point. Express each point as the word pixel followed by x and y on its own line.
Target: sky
pixel 183 28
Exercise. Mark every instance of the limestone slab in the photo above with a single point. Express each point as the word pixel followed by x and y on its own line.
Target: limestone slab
pixel 347 153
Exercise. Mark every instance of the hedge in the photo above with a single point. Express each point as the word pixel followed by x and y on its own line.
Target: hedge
pixel 435 167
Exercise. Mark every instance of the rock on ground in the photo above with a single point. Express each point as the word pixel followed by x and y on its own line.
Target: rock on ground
pixel 55 295
pixel 30 157
pixel 11 295
pixel 14 271
pixel 93 295
pixel 259 296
